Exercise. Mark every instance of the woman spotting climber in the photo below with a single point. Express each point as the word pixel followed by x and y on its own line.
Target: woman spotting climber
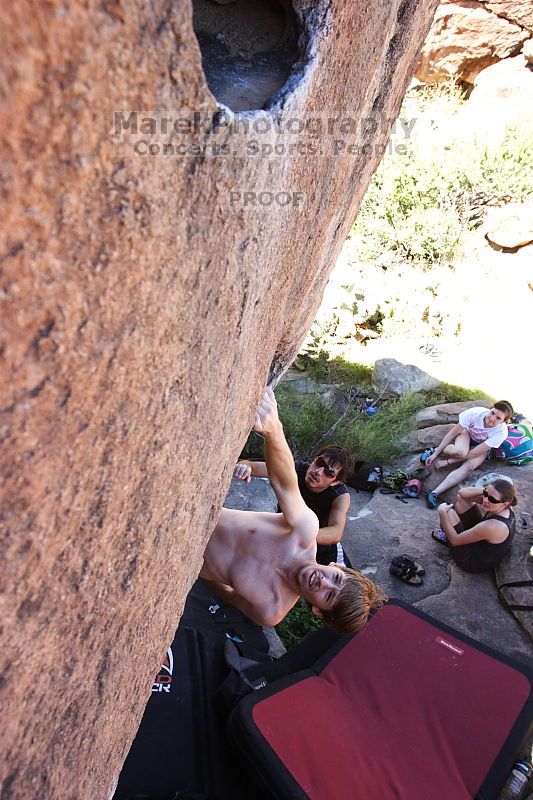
pixel 480 526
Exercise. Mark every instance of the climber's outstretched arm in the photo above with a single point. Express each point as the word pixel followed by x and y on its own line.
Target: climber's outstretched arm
pixel 280 468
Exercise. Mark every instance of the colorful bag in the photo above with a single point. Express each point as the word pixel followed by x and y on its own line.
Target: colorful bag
pixel 517 449
pixel 413 487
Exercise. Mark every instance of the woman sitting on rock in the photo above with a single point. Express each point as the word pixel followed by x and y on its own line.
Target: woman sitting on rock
pixel 467 445
pixel 480 527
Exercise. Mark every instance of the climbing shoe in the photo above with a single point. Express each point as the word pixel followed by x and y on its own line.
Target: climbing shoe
pixel 426 454
pixel 431 500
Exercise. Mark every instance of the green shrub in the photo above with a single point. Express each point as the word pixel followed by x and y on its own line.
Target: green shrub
pixel 450 393
pixel 340 371
pixel 379 438
pixel 254 447
pixel 307 418
pixel 382 436
pixel 420 200
pixel 304 419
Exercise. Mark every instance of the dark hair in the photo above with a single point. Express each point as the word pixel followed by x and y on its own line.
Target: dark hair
pixel 506 407
pixel 338 456
pixel 358 597
pixel 506 490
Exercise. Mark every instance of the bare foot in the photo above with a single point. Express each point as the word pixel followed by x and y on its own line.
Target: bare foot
pixel 440 463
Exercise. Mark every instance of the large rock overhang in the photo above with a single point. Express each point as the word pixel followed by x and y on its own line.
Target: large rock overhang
pixel 147 294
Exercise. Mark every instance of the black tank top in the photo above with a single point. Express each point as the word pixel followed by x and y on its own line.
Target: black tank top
pixel 482 556
pixel 320 503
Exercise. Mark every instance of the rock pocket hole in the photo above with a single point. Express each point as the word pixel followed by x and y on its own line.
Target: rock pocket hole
pixel 248 48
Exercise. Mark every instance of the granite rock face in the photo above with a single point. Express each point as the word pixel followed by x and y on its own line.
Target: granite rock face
pixel 467 36
pixel 518 11
pixel 149 239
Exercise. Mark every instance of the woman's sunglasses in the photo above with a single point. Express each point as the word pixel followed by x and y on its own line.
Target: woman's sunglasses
pixel 329 471
pixel 491 499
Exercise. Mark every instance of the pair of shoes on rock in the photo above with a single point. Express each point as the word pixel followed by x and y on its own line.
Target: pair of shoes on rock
pixel 440 537
pixel 431 500
pixel 428 452
pixel 407 570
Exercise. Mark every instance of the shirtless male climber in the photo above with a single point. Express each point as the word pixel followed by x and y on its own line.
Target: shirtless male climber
pixel 262 562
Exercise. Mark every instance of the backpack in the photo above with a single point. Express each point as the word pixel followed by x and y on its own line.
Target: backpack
pixel 395 481
pixel 517 449
pixel 366 477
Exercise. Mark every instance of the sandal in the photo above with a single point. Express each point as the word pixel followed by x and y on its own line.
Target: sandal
pixel 406 570
pixel 419 568
pixel 440 537
pixel 412 580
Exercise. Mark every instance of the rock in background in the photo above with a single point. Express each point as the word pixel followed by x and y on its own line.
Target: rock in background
pixel 511 227
pixel 138 259
pixel 446 413
pixel 502 96
pixel 467 36
pixel 393 377
pixel 432 425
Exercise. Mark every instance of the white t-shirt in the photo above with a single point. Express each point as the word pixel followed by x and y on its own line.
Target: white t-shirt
pixel 472 420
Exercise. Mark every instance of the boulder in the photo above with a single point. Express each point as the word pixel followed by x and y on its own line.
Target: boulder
pixel 427 437
pixel 300 382
pixel 518 11
pixel 502 96
pixel 446 412
pixel 511 226
pixel 156 271
pixel 464 39
pixel 393 377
